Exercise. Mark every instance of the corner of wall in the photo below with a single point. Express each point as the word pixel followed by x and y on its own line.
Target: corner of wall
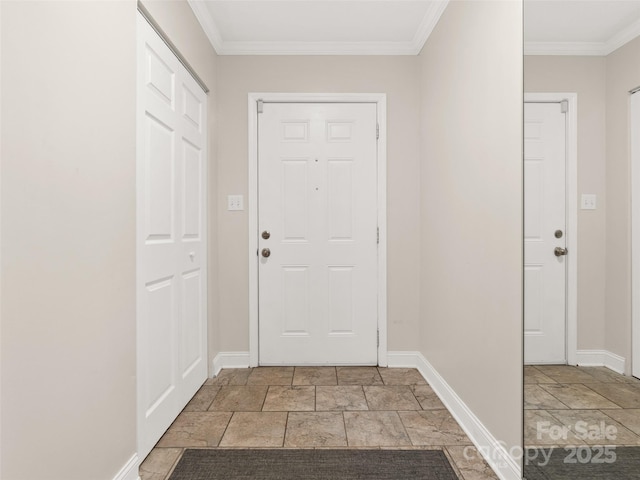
pixel 503 462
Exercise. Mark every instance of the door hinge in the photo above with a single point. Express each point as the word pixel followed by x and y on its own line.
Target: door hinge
pixel 377 131
pixel 564 106
pixel 378 337
pixel 260 106
pixel 378 235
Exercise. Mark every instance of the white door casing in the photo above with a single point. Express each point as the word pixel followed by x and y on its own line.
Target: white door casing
pixel 545 214
pixel 318 201
pixel 171 237
pixel 635 233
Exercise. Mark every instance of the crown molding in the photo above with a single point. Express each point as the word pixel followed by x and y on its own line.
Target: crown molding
pixel 413 47
pixel 208 25
pixel 584 48
pixel 623 37
pixel 428 23
pixel 564 48
pixel 318 48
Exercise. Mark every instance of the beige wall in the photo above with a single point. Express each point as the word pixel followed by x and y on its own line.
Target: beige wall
pixel 585 76
pixel 471 241
pixel 180 24
pixel 68 239
pixel 623 74
pixel 395 76
pixel 68 231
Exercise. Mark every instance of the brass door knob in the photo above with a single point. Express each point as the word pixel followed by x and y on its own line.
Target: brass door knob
pixel 266 252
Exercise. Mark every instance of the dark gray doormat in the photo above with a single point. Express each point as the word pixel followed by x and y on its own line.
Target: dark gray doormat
pixel 313 465
pixel 584 463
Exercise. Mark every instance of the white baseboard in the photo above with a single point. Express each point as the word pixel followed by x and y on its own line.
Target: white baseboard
pixel 601 358
pixel 130 470
pixel 494 452
pixel 230 360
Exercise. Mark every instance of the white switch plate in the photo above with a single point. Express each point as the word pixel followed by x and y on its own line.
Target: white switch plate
pixel 588 201
pixel 235 202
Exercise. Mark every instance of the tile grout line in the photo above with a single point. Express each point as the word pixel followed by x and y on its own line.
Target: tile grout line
pixel 454 465
pixel 264 400
pixel 175 463
pixel 213 399
pixel 548 392
pixel 603 396
pixel 226 428
pixel 404 427
pixel 286 428
pixel 346 431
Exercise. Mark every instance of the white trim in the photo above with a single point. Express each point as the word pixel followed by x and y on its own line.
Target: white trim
pixel 601 358
pixel 130 469
pixel 493 451
pixel 413 47
pixel 634 139
pixel 207 23
pixel 584 48
pixel 572 212
pixel 381 100
pixel 428 23
pixel 229 360
pixel 318 48
pixel 565 48
pixel 623 37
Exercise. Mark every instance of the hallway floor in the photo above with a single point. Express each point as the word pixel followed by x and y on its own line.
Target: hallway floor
pixel 579 399
pixel 316 407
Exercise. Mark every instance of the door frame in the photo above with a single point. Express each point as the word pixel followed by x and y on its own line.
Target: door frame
pixel 571 195
pixel 380 99
pixel 634 145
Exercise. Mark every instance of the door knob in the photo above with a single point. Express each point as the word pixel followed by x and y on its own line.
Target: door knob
pixel 559 251
pixel 266 252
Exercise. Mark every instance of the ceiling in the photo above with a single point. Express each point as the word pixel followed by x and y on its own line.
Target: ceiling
pixel 401 27
pixel 579 27
pixel 320 27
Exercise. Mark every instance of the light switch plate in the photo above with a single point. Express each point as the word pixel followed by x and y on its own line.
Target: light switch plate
pixel 235 202
pixel 588 201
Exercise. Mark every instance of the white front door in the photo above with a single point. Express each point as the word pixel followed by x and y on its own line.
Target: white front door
pixel 317 216
pixel 171 237
pixel 544 233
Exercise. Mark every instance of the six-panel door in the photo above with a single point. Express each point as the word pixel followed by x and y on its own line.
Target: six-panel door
pixel 171 250
pixel 317 174
pixel 544 215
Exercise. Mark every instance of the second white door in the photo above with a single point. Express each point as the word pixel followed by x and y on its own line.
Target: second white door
pixel 317 180
pixel 545 237
pixel 172 237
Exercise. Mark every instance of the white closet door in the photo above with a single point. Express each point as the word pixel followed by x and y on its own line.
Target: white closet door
pixel 171 239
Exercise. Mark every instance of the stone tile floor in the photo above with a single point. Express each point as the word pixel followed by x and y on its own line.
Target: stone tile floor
pixel 561 396
pixel 316 407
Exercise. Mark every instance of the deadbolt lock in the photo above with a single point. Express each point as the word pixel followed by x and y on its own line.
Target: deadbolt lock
pixel 266 235
pixel 558 234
